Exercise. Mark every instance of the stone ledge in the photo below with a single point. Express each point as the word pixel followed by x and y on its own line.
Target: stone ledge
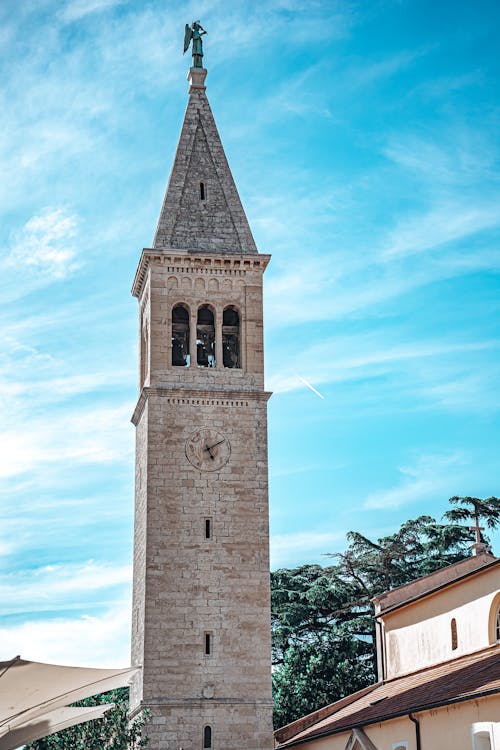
pixel 199 397
pixel 166 702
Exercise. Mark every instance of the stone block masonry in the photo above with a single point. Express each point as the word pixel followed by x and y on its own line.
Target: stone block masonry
pixel 201 600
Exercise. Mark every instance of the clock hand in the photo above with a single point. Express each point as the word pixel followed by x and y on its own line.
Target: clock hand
pixel 215 444
pixel 209 449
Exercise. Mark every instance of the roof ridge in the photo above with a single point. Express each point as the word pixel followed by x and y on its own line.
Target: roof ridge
pixel 419 583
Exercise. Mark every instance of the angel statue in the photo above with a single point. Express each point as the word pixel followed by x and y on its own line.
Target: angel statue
pixel 195 32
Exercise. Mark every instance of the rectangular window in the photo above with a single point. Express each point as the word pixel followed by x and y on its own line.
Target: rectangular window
pixel 485 735
pixel 208 528
pixel 208 644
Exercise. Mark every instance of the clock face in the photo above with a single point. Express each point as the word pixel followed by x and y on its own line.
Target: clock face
pixel 207 449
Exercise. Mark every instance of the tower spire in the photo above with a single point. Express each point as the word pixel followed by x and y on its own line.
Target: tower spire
pixel 202 210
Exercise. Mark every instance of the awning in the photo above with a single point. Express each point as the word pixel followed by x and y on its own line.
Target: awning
pixel 54 721
pixel 30 693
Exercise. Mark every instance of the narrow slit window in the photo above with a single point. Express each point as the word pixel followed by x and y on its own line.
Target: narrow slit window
pixel 231 337
pixel 205 337
pixel 454 638
pixel 180 336
pixel 208 644
pixel 207 737
pixel 202 191
pixel 208 528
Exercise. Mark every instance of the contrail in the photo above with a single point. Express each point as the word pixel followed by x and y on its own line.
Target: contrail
pixel 311 387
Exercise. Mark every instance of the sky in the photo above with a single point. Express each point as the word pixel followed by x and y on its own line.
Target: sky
pixel 363 138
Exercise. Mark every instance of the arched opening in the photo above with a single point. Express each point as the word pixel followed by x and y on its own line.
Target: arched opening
pixel 205 337
pixel 454 637
pixel 180 336
pixel 231 337
pixel 494 620
pixel 207 737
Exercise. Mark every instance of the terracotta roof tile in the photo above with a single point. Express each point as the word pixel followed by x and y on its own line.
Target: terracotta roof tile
pixel 446 683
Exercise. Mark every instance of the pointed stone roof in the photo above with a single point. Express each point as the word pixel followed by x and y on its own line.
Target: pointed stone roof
pixel 202 210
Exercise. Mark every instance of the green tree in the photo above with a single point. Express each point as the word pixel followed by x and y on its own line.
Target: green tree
pixel 112 732
pixel 476 510
pixel 322 618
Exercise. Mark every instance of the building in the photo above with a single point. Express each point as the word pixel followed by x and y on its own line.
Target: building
pixel 438 645
pixel 201 600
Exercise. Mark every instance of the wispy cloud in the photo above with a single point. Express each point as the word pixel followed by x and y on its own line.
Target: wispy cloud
pixel 54 586
pixel 292 549
pixel 439 226
pixel 93 641
pixel 77 436
pixel 45 245
pixel 77 9
pixel 430 476
pixel 344 359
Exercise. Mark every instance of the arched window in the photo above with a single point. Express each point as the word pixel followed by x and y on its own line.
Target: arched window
pixel 207 737
pixel 494 620
pixel 231 338
pixel 454 637
pixel 205 337
pixel 180 336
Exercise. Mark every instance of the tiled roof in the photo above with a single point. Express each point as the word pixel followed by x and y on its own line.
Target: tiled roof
pixel 432 582
pixel 450 682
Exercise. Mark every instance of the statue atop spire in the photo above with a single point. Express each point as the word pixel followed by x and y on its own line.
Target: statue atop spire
pixel 194 33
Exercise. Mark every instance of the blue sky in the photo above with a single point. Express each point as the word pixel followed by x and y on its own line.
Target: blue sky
pixel 364 141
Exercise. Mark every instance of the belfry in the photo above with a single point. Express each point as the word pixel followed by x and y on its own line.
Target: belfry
pixel 201 609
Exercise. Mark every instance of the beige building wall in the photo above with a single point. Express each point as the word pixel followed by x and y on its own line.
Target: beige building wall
pixel 420 634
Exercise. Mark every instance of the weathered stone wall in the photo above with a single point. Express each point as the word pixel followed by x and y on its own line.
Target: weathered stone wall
pixel 140 548
pixel 192 585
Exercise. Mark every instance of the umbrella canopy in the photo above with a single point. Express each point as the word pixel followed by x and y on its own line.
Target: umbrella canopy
pixel 49 723
pixel 30 691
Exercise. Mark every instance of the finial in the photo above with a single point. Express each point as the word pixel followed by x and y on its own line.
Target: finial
pixel 194 33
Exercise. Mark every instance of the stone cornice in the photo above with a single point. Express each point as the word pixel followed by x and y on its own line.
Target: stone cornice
pixel 199 397
pixel 189 261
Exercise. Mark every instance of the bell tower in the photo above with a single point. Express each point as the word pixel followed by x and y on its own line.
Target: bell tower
pixel 201 609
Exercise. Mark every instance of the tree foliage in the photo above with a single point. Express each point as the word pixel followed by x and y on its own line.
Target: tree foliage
pixel 322 619
pixel 474 509
pixel 112 732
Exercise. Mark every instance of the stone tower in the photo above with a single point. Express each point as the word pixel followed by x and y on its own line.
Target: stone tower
pixel 201 611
